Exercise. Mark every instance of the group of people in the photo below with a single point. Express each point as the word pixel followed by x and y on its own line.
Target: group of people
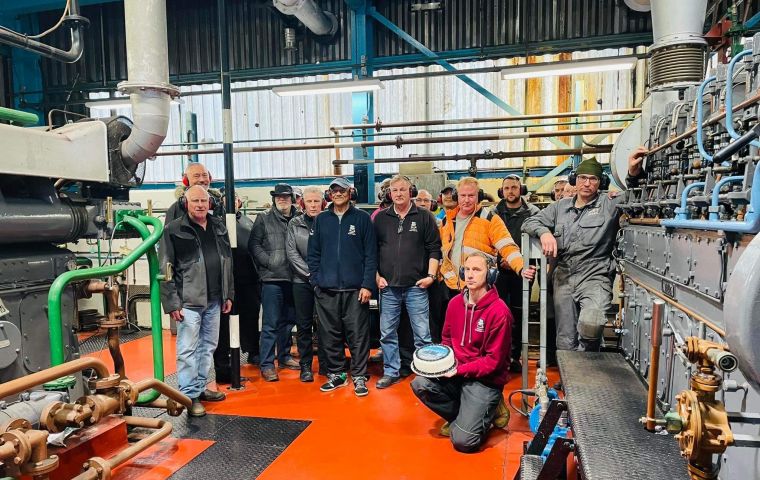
pixel 457 275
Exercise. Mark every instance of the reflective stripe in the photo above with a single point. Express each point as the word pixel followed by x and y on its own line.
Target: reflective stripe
pixel 448 275
pixel 504 242
pixel 512 256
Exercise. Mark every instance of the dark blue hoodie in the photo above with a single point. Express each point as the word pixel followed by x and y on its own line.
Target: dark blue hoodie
pixel 342 253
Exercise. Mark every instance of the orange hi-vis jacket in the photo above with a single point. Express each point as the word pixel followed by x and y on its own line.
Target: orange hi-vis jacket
pixel 485 233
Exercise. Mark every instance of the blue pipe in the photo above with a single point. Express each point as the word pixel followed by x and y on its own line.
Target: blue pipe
pixel 751 223
pixel 700 118
pixel 729 97
pixel 682 213
pixel 716 193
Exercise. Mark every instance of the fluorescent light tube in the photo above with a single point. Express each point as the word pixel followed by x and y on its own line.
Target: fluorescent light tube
pixel 340 86
pixel 573 67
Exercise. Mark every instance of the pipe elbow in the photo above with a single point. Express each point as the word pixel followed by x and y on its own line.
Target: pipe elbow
pixel 151 122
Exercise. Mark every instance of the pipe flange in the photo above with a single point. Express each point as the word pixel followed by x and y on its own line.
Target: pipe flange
pixel 76 21
pixel 116 320
pixel 21 444
pixel 688 409
pixel 97 409
pixel 16 424
pixel 47 417
pixel 99 384
pixel 128 394
pixel 101 466
pixel 128 87
pixel 174 408
pixel 42 467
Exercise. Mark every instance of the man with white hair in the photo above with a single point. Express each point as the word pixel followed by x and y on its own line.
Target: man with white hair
pixel 195 174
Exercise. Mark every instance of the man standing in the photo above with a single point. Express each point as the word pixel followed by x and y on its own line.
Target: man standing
pixel 342 264
pixel 580 232
pixel 198 248
pixel 513 210
pixel 447 201
pixel 299 229
pixel 267 247
pixel 477 328
pixel 195 174
pixel 408 252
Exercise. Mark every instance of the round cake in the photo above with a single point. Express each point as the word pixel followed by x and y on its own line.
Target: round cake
pixel 433 361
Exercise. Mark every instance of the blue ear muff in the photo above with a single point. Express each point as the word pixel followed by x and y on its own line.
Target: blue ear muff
pixel 493 274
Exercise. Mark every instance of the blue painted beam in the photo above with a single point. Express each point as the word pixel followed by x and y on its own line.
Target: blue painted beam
pixel 449 67
pixel 23 7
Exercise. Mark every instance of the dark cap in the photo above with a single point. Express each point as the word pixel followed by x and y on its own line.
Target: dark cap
pixel 281 189
pixel 448 188
pixel 340 182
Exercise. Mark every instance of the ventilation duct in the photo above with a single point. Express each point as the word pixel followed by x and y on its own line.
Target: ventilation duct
pixel 319 22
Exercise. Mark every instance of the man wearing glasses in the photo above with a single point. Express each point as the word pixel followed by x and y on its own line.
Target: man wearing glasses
pixel 342 261
pixel 580 232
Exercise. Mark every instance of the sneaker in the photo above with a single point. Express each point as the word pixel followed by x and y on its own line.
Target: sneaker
pixel 269 375
pixel 360 387
pixel 306 375
pixel 290 364
pixel 386 381
pixel 502 415
pixel 212 396
pixel 196 409
pixel 445 430
pixel 334 380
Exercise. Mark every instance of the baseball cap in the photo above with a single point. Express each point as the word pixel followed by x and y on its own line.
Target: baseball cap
pixel 340 182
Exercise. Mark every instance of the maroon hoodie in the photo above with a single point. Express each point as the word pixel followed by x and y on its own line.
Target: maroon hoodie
pixel 480 336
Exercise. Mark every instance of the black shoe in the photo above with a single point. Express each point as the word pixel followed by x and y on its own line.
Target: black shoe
pixel 405 371
pixel 196 409
pixel 360 387
pixel 306 375
pixel 269 375
pixel 212 396
pixel 386 381
pixel 515 366
pixel 334 380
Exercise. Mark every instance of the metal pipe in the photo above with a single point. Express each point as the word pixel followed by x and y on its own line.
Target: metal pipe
pixel 399 141
pixel 485 155
pixel 319 22
pixel 700 118
pixel 38 378
pixel 41 220
pixel 55 323
pixel 679 306
pixel 682 213
pixel 457 121
pixel 716 194
pixel 113 347
pixel 654 361
pixel 69 56
pixel 730 96
pixel 165 389
pixel 18 116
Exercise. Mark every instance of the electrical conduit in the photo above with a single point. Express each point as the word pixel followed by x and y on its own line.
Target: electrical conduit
pixel 730 94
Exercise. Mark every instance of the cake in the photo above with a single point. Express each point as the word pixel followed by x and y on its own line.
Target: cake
pixel 433 361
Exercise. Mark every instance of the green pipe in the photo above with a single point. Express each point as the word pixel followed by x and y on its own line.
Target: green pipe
pixel 18 116
pixel 139 224
pixel 55 321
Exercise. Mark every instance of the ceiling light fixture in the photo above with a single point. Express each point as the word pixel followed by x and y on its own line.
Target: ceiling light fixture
pixel 317 88
pixel 572 67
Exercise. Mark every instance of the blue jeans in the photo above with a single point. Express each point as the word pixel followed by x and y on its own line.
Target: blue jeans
pixel 278 318
pixel 197 336
pixel 416 301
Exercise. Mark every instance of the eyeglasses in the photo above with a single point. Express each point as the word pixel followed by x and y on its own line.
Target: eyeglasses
pixel 591 179
pixel 339 190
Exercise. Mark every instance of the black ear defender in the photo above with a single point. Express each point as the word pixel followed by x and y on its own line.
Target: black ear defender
pixel 491 276
pixel 353 196
pixel 455 195
pixel 182 201
pixel 553 196
pixel 523 187
pixel 604 182
pixel 412 191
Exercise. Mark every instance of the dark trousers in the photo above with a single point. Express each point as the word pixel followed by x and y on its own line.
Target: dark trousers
pixel 468 405
pixel 405 343
pixel 303 299
pixel 510 288
pixel 247 305
pixel 277 322
pixel 439 295
pixel 342 317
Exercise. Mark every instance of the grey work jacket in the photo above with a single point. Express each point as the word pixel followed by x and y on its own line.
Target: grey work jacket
pixel 585 236
pixel 267 245
pixel 181 247
pixel 297 246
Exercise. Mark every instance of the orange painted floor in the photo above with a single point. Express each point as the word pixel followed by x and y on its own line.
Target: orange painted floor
pixel 387 434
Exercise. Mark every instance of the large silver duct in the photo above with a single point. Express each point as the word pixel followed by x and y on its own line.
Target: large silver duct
pixel 319 22
pixel 148 78
pixel 677 55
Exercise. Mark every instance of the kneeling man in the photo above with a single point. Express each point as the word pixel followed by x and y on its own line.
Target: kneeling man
pixel 478 328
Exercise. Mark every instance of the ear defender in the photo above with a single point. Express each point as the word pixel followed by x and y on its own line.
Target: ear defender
pixel 491 276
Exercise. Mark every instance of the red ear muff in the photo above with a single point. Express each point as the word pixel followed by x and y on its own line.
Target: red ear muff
pixel 185 181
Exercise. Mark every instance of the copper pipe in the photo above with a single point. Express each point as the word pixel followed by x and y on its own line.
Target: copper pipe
pixel 709 121
pixel 679 306
pixel 114 349
pixel 644 221
pixel 24 383
pixel 484 156
pixel 459 121
pixel 165 389
pixel 654 361
pixel 399 141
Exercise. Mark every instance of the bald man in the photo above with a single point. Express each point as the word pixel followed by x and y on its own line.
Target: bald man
pixel 195 174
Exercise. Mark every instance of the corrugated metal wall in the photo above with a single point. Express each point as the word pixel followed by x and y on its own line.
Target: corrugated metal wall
pixel 261 115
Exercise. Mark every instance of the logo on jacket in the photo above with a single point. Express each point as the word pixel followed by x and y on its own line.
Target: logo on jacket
pixel 413 227
pixel 351 230
pixel 481 326
pixel 594 211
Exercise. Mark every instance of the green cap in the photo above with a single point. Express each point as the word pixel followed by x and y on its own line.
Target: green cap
pixel 590 167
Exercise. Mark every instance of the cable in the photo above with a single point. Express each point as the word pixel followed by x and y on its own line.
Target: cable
pixel 49 30
pixel 519 410
pixel 110 240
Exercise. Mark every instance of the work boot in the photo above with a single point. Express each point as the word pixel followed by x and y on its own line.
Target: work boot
pixel 387 380
pixel 445 430
pixel 269 375
pixel 196 409
pixel 212 396
pixel 502 415
pixel 306 375
pixel 290 364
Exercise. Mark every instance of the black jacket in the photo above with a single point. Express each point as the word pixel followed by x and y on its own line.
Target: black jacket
pixel 267 245
pixel 342 253
pixel 181 247
pixel 402 258
pixel 514 219
pixel 244 268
